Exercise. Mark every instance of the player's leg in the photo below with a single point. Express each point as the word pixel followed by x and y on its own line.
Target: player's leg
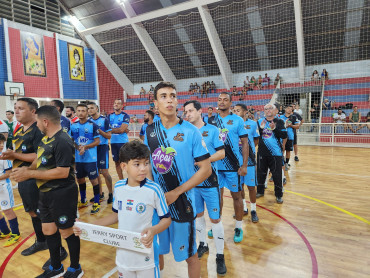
pixel 275 165
pixel 200 222
pixel 6 205
pixel 93 174
pixel 81 174
pixel 295 147
pixel 147 273
pixel 103 166
pixel 250 180
pixel 245 207
pixel 262 168
pixel 4 229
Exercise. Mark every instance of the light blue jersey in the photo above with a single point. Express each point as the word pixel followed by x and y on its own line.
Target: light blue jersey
pixel 116 121
pixel 252 131
pixel 84 134
pixel 103 124
pixel 287 120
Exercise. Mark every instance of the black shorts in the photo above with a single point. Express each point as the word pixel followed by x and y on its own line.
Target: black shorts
pixel 59 206
pixel 115 150
pixel 295 139
pixel 29 193
pixel 289 145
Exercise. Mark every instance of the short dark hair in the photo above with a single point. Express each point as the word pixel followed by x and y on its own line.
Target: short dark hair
pixel 10 111
pixel 32 104
pixel 151 113
pixel 71 107
pixel 242 105
pixel 59 104
pixel 92 103
pixel 161 85
pixel 81 105
pixel 50 112
pixel 226 93
pixel 210 107
pixel 133 150
pixel 2 137
pixel 196 104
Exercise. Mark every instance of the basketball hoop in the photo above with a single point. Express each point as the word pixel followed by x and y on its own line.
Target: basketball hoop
pixel 14 96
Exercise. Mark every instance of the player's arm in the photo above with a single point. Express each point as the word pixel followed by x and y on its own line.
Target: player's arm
pixel 256 140
pixel 284 142
pixel 93 144
pixel 242 171
pixel 119 130
pixel 150 232
pixel 6 175
pixel 25 173
pixel 218 155
pixel 350 117
pixel 12 155
pixel 105 134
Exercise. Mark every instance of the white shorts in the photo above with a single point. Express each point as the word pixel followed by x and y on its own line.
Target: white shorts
pixel 6 196
pixel 147 273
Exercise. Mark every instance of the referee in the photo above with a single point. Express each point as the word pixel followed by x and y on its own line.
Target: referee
pixel 53 170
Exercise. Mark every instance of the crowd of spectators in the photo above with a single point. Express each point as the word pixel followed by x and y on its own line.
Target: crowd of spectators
pixel 316 77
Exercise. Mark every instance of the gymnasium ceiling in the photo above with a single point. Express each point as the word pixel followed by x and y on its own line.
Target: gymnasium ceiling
pixel 256 35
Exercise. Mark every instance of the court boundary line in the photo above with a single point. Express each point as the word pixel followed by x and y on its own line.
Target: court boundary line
pixel 330 173
pixel 110 272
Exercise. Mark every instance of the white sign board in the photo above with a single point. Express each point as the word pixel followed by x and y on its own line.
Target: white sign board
pixel 112 237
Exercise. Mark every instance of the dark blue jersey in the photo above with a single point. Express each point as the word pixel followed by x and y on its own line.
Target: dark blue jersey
pixel 103 124
pixel 252 130
pixel 143 128
pixel 66 124
pixel 270 142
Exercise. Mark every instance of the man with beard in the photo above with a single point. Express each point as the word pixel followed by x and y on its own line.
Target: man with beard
pixel 71 114
pixel 148 120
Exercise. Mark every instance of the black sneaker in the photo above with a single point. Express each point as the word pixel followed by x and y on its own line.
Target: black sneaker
pixel 296 158
pixel 63 256
pixel 202 249
pixel 254 216
pixel 74 273
pixel 220 264
pixel 110 198
pixel 258 195
pixel 284 181
pixel 279 200
pixel 36 247
pixel 52 273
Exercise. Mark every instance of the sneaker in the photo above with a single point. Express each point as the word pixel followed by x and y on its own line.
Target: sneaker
pixel 286 167
pixel 279 200
pixel 63 256
pixel 5 236
pixel 52 273
pixel 74 273
pixel 258 195
pixel 82 205
pixel 296 158
pixel 284 181
pixel 202 249
pixel 254 216
pixel 14 238
pixel 265 185
pixel 36 247
pixel 95 208
pixel 101 198
pixel 210 234
pixel 238 235
pixel 245 211
pixel 110 198
pixel 220 264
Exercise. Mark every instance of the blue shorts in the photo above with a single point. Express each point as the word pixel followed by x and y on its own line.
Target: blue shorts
pixel 182 237
pixel 115 150
pixel 88 169
pixel 230 180
pixel 250 178
pixel 211 196
pixel 103 156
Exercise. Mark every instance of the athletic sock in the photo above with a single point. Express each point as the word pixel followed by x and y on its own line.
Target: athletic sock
pixel 54 244
pixel 201 229
pixel 14 226
pixel 287 160
pixel 245 205
pixel 218 236
pixel 36 222
pixel 73 243
pixel 82 187
pixel 96 193
pixel 4 227
pixel 238 224
pixel 253 206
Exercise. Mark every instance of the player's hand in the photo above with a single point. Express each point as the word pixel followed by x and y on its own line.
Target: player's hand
pixel 82 150
pixel 7 155
pixel 263 124
pixel 76 230
pixel 147 236
pixel 243 170
pixel 20 174
pixel 171 197
pixel 272 125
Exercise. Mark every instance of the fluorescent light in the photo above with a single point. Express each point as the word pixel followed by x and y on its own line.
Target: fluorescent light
pixel 74 20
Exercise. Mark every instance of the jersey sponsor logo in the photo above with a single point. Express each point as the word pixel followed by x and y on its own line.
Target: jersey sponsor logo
pixel 82 140
pixel 4 203
pixel 215 209
pixel 152 134
pixel 178 137
pixel 223 134
pixel 182 248
pixel 266 133
pixel 44 160
pixel 205 134
pixel 130 202
pixel 24 148
pixel 230 122
pixel 247 126
pixel 92 173
pixel 63 219
pixel 140 208
pixel 163 159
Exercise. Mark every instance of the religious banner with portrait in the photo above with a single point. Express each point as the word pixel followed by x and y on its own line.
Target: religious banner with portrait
pixel 76 62
pixel 33 54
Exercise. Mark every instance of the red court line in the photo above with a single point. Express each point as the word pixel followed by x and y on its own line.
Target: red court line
pixel 6 261
pixel 315 269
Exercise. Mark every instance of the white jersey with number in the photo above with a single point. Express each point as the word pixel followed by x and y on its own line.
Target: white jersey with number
pixel 135 206
pixel 6 191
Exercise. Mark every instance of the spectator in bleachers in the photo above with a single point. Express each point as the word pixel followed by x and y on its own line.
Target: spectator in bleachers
pixel 134 119
pixel 191 88
pixel 142 92
pixel 367 122
pixel 315 114
pixel 246 84
pixel 315 76
pixel 213 87
pixel 259 82
pixel 234 91
pixel 209 117
pixel 277 79
pixel 252 83
pixel 204 90
pixel 354 117
pixel 151 97
pixel 324 75
pixel 339 118
pixel 243 93
pixel 151 89
pixel 328 105
pixel 297 109
pixel 196 88
pixel 265 81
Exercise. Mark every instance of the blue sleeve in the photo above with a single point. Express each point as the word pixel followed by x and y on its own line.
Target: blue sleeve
pixel 126 119
pixel 107 126
pixel 142 130
pixel 199 152
pixel 217 142
pixel 95 131
pixel 255 130
pixel 146 142
pixel 242 132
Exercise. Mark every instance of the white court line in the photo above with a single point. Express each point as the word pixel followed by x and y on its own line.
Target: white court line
pixel 328 173
pixel 110 273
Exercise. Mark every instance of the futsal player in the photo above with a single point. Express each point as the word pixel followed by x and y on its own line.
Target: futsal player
pixel 234 164
pixel 119 122
pixel 148 120
pixel 105 133
pixel 295 141
pixel 64 122
pixel 208 192
pixel 86 138
pixel 250 179
pixel 25 142
pixel 175 145
pixel 53 170
pixel 270 151
pixel 71 114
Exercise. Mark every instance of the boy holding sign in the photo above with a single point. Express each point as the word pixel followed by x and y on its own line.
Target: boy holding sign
pixel 135 199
